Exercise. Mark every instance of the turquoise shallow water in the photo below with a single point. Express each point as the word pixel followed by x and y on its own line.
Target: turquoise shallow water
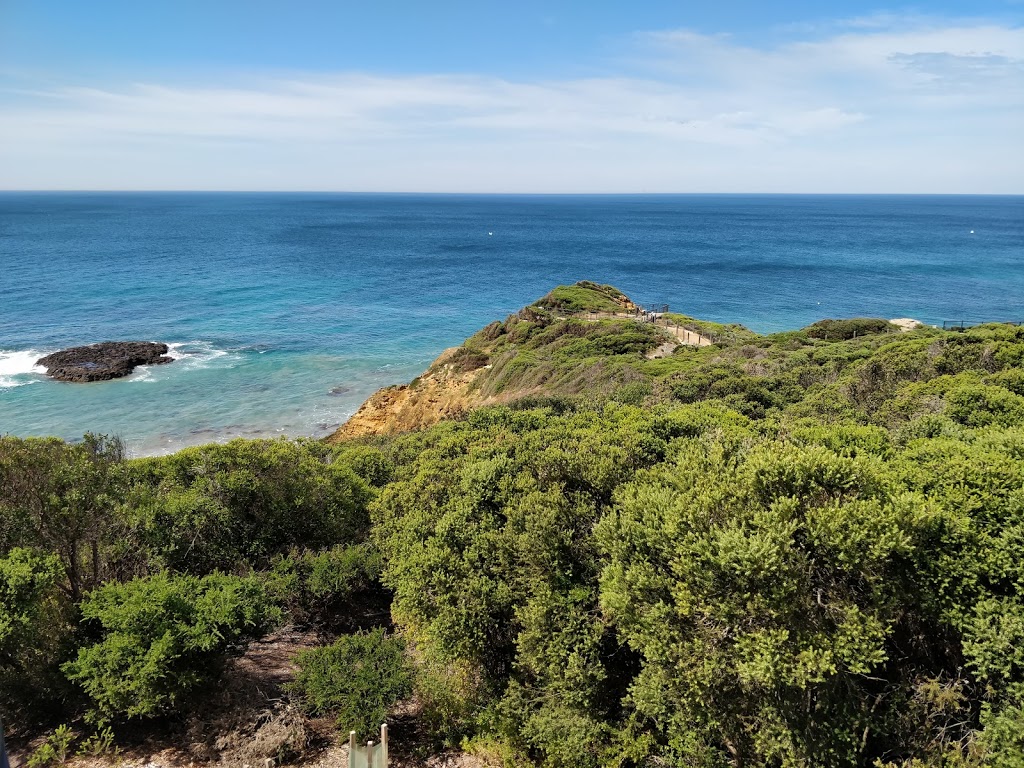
pixel 287 310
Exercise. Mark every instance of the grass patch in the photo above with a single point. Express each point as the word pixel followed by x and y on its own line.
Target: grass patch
pixel 584 297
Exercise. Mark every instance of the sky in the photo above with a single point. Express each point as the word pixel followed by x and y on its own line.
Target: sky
pixel 601 96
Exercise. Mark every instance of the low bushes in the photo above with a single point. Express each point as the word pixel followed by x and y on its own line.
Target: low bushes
pixel 162 638
pixel 218 507
pixel 35 631
pixel 584 296
pixel 464 360
pixel 356 680
pixel 839 330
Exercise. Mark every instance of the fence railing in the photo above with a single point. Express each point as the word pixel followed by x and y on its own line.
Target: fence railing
pixel 961 325
pixel 368 755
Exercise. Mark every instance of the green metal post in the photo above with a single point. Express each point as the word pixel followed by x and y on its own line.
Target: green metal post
pixel 4 763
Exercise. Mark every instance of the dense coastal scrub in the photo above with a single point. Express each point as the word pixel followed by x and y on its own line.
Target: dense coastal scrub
pixel 802 549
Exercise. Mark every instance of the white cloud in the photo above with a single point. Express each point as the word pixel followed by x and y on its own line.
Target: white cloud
pixel 879 104
pixel 864 65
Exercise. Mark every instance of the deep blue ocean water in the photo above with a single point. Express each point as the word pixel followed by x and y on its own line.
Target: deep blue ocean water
pixel 287 310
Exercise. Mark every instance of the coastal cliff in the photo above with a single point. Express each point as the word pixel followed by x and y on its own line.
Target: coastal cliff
pixel 581 338
pixel 444 391
pixel 482 371
pixel 593 342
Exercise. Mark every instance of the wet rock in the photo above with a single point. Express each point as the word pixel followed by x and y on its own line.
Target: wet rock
pixel 100 362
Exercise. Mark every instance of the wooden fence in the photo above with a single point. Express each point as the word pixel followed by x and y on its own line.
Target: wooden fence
pixel 962 325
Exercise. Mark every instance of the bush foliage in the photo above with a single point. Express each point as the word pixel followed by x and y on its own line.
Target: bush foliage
pixel 163 637
pixel 840 330
pixel 789 550
pixel 355 680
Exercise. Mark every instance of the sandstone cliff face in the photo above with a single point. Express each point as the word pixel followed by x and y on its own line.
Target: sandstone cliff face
pixel 443 392
pixel 505 361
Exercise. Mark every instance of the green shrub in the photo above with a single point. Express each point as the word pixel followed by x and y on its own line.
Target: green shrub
pixel 1003 737
pixel 1011 379
pixel 839 330
pixel 845 439
pixel 962 398
pixel 60 497
pixel 716 577
pixel 464 360
pixel 368 462
pixel 219 507
pixel 163 638
pixel 981 405
pixel 342 571
pixel 27 579
pixel 633 393
pixel 100 742
pixel 319 587
pixel 35 631
pixel 55 750
pixel 356 680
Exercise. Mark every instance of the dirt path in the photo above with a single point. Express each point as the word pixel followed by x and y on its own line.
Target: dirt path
pixel 686 336
pixel 249 721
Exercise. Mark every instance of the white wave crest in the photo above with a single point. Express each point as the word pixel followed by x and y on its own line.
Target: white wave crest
pixel 187 355
pixel 199 354
pixel 18 367
pixel 141 373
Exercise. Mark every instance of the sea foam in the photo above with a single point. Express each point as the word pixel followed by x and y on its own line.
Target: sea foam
pixel 187 355
pixel 18 367
pixel 197 354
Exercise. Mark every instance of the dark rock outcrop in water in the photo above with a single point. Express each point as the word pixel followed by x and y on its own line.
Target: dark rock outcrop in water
pixel 99 362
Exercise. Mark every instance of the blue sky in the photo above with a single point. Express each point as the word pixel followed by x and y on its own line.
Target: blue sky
pixel 513 97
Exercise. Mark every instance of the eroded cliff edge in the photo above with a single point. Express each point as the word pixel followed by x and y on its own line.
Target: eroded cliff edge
pixel 444 391
pixel 590 341
pixel 564 344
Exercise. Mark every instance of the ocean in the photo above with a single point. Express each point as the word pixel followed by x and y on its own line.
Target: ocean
pixel 285 311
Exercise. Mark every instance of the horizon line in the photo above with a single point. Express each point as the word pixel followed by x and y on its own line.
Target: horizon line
pixel 82 190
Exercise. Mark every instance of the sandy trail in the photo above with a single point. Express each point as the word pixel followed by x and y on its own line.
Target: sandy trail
pixel 684 336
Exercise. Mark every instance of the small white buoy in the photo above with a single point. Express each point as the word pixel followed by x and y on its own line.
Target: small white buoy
pixel 972 231
pixel 491 233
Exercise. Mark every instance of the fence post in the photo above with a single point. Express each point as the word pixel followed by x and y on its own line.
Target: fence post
pixel 3 748
pixel 351 749
pixel 384 743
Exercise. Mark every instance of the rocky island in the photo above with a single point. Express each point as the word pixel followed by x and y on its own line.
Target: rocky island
pixel 100 362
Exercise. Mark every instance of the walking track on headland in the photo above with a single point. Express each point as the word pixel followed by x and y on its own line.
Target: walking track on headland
pixel 683 336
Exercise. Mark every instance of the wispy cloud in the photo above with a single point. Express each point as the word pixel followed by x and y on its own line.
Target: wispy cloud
pixel 869 65
pixel 878 104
